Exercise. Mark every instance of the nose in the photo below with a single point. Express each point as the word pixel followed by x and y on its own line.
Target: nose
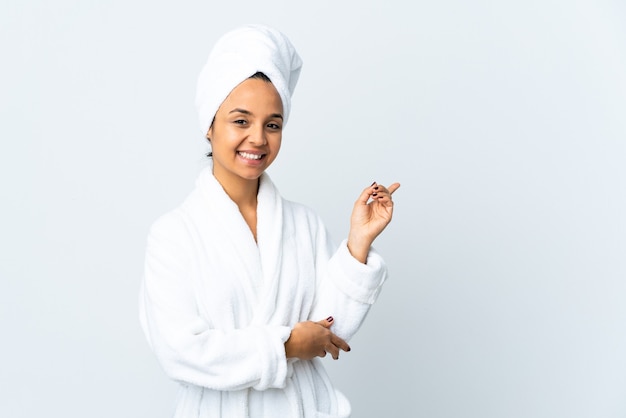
pixel 257 136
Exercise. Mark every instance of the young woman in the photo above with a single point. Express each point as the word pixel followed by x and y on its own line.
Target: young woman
pixel 242 291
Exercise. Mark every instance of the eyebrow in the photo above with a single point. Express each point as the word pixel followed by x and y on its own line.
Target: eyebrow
pixel 247 112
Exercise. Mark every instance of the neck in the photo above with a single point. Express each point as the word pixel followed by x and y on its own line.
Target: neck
pixel 241 191
pixel 244 193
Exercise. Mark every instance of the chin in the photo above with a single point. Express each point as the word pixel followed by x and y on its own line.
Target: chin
pixel 252 176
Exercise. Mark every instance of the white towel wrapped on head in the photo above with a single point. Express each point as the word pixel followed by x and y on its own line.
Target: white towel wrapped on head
pixel 240 54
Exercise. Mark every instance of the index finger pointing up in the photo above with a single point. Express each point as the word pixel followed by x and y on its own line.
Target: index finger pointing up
pixel 393 187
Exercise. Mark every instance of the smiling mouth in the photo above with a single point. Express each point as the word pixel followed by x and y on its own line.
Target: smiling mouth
pixel 249 156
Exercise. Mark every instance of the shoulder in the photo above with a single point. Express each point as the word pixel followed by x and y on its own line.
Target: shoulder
pixel 301 213
pixel 171 221
pixel 170 229
pixel 170 243
pixel 305 222
pixel 179 218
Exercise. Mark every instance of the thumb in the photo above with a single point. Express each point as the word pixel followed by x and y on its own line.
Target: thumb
pixel 326 323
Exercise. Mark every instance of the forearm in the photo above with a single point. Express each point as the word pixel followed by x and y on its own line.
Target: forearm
pixel 348 289
pixel 190 351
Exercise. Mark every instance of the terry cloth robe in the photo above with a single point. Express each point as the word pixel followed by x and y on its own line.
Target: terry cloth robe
pixel 217 307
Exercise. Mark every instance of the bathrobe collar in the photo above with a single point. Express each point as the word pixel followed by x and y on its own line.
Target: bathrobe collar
pixel 260 262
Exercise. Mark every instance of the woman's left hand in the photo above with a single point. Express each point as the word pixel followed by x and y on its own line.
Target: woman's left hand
pixel 369 218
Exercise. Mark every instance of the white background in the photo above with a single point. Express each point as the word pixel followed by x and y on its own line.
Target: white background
pixel 505 122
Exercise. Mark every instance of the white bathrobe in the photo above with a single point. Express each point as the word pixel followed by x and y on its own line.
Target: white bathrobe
pixel 217 307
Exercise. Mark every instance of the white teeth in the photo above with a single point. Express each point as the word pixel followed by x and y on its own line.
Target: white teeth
pixel 249 156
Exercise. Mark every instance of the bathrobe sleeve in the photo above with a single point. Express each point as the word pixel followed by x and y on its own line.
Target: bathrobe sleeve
pixel 346 288
pixel 188 348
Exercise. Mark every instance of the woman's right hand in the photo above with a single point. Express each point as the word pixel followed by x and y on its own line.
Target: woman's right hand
pixel 310 339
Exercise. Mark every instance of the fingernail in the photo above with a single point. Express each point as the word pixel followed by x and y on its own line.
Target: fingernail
pixel 373 184
pixel 329 319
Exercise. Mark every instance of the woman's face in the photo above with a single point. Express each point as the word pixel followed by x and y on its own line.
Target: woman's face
pixel 246 132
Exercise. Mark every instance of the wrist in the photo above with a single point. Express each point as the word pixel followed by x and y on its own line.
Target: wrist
pixel 358 247
pixel 290 349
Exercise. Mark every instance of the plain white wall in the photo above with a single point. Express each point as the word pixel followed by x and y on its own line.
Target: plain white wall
pixel 504 121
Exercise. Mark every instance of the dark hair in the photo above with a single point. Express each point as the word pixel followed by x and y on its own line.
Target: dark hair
pixel 261 76
pixel 258 75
